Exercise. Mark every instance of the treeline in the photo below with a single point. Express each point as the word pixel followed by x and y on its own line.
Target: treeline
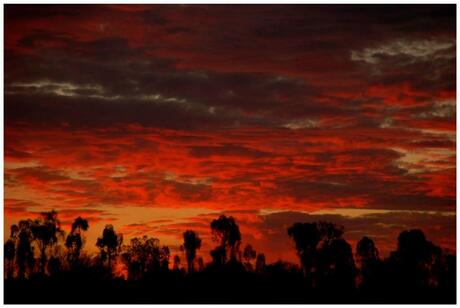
pixel 40 257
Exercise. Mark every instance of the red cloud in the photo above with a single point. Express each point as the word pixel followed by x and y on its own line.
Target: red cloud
pixel 235 109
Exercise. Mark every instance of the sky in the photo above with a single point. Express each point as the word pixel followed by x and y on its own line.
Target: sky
pixel 160 118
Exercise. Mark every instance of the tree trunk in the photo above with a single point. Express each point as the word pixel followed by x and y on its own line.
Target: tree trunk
pixel 190 265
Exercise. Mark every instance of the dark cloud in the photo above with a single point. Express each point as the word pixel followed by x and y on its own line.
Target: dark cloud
pixel 236 108
pixel 191 192
pixel 279 67
pixel 227 150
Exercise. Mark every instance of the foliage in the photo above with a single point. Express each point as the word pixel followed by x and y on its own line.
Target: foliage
pixel 109 244
pixel 417 271
pixel 227 233
pixel 192 242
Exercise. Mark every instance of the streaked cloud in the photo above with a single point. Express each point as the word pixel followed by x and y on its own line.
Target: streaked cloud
pixel 419 50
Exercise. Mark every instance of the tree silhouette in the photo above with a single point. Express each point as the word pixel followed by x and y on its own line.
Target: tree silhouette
pixel 415 258
pixel 260 263
pixel 176 264
pixel 24 251
pixel 335 265
pixel 109 244
pixel 10 251
pixel 218 256
pixel 144 256
pixel 192 242
pixel 366 251
pixel 227 232
pixel 308 237
pixel 249 254
pixel 46 231
pixel 367 256
pixel 165 254
pixel 74 241
pixel 415 249
pixel 416 272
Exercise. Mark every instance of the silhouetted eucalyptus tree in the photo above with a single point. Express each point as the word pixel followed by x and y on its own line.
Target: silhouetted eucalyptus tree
pixel 176 264
pixel 415 258
pixel 109 244
pixel 260 263
pixel 227 232
pixel 414 248
pixel 74 241
pixel 367 257
pixel 308 238
pixel 24 251
pixel 192 242
pixel 46 231
pixel 165 254
pixel 366 251
pixel 249 254
pixel 144 255
pixel 10 251
pixel 418 271
pixel 218 256
pixel 335 266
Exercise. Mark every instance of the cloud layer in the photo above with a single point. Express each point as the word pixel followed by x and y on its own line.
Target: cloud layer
pixel 287 108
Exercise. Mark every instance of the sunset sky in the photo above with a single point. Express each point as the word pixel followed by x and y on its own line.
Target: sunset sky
pixel 158 118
